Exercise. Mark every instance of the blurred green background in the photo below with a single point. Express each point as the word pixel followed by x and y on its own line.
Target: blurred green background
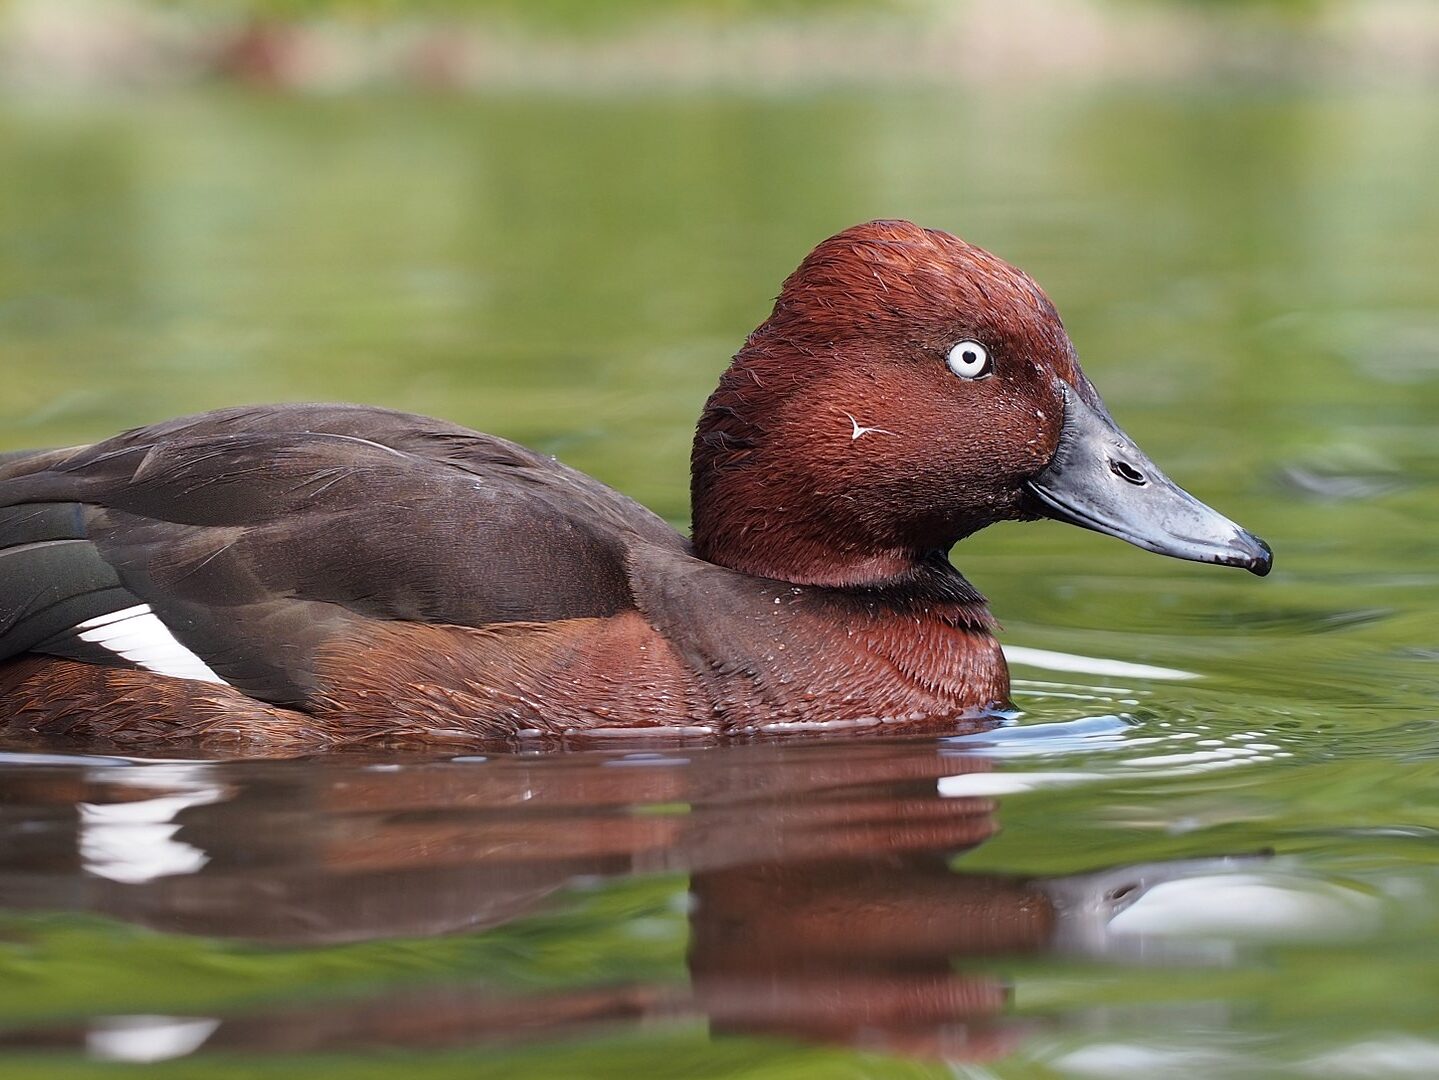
pixel 556 221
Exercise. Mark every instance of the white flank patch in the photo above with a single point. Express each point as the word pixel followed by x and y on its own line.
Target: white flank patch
pixel 137 635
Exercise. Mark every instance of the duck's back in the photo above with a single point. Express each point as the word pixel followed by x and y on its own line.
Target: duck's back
pixel 257 535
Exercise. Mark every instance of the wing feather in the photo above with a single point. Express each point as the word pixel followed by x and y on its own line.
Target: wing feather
pixel 257 535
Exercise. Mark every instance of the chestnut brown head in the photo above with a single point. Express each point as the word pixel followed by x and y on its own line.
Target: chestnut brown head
pixel 908 389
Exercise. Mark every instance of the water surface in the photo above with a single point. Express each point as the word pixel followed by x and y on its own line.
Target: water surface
pixel 1206 844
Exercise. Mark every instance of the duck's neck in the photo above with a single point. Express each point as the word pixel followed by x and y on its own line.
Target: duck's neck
pixel 783 544
pixel 774 534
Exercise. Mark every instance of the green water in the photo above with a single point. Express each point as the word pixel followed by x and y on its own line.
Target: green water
pixel 1224 863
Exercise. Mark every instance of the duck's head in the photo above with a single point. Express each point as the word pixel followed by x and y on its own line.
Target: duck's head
pixel 907 390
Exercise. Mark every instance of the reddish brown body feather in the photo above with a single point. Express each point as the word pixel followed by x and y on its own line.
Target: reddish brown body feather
pixel 46 695
pixel 402 683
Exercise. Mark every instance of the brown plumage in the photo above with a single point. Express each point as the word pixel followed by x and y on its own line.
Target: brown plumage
pixel 321 575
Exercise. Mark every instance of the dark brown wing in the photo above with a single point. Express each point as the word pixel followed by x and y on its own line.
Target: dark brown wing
pixel 256 535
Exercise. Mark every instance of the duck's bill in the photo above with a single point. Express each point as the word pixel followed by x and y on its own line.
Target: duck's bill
pixel 1098 479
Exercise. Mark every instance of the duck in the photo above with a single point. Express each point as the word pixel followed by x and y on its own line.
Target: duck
pixel 333 575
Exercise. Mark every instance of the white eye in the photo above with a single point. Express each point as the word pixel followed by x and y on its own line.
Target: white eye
pixel 969 360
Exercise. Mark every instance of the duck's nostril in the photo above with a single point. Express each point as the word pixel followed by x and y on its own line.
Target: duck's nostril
pixel 1126 471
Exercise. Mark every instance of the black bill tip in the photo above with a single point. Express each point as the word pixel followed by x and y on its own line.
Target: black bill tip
pixel 1258 559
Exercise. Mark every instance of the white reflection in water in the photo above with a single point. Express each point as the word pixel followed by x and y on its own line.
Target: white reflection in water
pixel 1204 910
pixel 1391 1056
pixel 1125 1059
pixel 983 785
pixel 1272 907
pixel 1106 732
pixel 148 1038
pixel 1022 656
pixel 133 842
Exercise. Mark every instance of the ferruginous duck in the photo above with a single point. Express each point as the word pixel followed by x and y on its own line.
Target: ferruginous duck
pixel 325 575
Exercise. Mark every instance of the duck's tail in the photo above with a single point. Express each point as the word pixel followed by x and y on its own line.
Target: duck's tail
pixel 8 457
pixel 21 462
pixel 52 579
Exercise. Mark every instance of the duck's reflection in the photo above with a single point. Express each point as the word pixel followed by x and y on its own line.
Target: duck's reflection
pixel 822 902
